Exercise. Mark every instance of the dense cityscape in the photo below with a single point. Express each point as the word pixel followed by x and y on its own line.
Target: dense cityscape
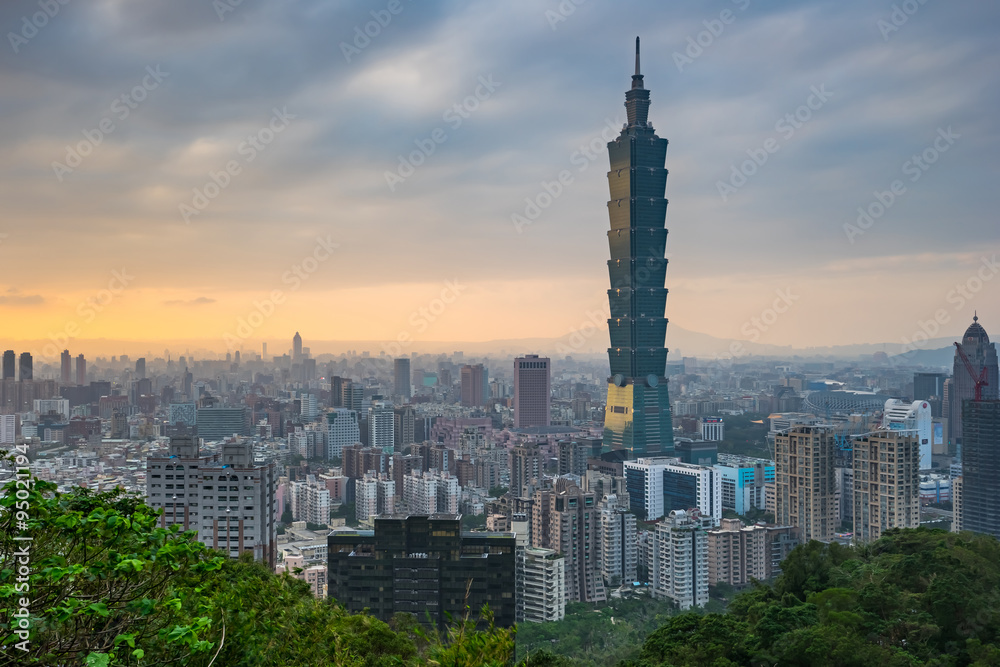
pixel 524 501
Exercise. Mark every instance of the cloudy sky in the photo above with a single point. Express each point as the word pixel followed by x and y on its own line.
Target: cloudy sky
pixel 374 170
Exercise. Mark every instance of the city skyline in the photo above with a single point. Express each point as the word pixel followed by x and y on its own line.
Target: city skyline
pixel 328 114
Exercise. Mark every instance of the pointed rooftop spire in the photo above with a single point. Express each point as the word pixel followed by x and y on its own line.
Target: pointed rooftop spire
pixel 975 316
pixel 637 77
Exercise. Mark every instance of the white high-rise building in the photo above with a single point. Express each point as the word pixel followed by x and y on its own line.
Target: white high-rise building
pixel 8 426
pixel 342 431
pixel 657 485
pixel 226 497
pixel 381 426
pixel 617 543
pixel 915 417
pixel 308 405
pixel 431 493
pixel 712 429
pixel 542 586
pixel 43 406
pixel 374 495
pixel 310 501
pixel 679 555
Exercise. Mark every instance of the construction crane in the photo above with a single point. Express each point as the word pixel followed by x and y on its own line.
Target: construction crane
pixel 981 381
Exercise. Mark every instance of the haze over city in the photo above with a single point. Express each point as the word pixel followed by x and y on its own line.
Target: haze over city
pixel 170 169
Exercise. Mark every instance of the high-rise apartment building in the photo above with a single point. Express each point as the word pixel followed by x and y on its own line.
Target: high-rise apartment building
pixel 541 590
pixel 66 368
pixel 617 544
pixel 525 469
pixel 381 426
pixel 738 554
pixel 401 375
pixel 342 431
pixel 475 386
pixel 8 426
pixel 375 495
pixel 226 497
pixel 423 565
pixel 886 483
pixel 404 432
pixel 979 490
pixel 566 519
pixel 637 417
pixel 982 354
pixel 678 563
pixel 805 483
pixel 431 492
pixel 140 368
pixel 532 391
pixel 310 501
pixel 81 370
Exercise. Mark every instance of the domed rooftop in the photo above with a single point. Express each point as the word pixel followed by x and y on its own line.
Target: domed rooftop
pixel 975 334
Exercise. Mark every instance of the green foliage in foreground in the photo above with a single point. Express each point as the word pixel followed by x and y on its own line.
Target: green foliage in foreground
pixel 592 637
pixel 914 597
pixel 107 586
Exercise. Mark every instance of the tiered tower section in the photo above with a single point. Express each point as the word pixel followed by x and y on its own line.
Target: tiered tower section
pixel 638 408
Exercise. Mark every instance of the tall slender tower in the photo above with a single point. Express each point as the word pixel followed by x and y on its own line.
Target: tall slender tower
pixel 637 416
pixel 981 354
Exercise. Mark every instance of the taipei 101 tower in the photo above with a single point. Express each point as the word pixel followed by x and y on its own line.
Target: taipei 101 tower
pixel 637 419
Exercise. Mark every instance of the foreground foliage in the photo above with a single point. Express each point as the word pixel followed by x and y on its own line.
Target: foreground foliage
pixel 109 586
pixel 914 597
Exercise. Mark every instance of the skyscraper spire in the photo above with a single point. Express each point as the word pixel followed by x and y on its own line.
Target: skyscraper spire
pixel 637 99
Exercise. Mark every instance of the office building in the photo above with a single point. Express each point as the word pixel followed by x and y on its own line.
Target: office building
pixel 678 563
pixel 657 485
pixel 296 348
pixel 182 413
pixel 532 391
pixel 744 481
pixel 219 423
pixel 342 431
pixel 982 355
pixel 805 484
pixel 381 426
pixel 980 481
pixel 566 518
pixel 475 386
pixel 353 396
pixel 66 368
pixel 930 387
pixel 25 367
pixel 886 483
pixel 81 370
pixel 541 590
pixel 401 376
pixel 914 418
pixel 9 360
pixel 140 368
pixel 423 565
pixel 226 497
pixel 712 429
pixel 45 406
pixel 637 417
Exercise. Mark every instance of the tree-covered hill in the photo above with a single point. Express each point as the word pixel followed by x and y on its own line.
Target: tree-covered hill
pixel 914 597
pixel 103 584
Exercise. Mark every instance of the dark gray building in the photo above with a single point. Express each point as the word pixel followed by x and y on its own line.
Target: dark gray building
pixel 982 354
pixel 981 467
pixel 423 564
